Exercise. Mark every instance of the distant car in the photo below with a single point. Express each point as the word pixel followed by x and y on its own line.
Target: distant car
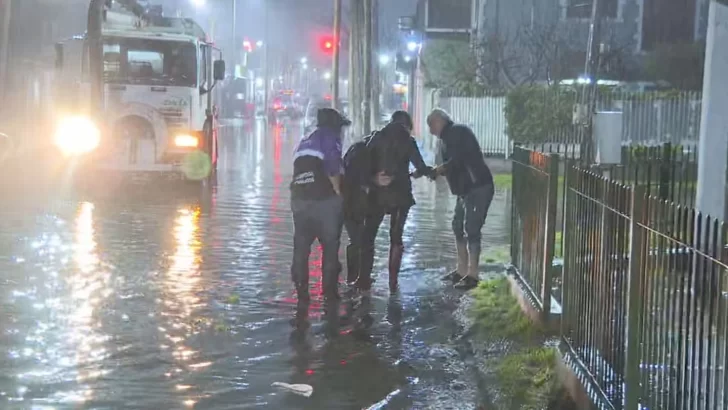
pixel 284 105
pixel 238 99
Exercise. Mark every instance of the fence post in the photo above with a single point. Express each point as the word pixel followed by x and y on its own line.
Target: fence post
pixel 635 294
pixel 549 246
pixel 666 163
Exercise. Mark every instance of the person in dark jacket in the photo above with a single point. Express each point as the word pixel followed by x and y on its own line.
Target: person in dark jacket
pixel 391 151
pixel 471 181
pixel 316 201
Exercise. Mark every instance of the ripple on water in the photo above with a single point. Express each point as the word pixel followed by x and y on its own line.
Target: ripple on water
pixel 171 300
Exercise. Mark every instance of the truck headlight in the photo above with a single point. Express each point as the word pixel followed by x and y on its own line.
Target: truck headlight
pixel 77 135
pixel 186 141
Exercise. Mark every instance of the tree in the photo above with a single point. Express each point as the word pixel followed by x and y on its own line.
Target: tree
pixel 450 64
pixel 681 65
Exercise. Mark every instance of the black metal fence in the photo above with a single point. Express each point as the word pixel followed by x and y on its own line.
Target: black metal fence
pixel 533 222
pixel 645 311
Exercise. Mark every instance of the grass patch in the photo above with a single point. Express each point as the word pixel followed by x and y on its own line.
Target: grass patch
pixel 503 180
pixel 525 373
pixel 497 313
pixel 528 378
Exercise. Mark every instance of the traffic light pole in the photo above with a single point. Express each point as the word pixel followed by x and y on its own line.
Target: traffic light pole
pixel 337 48
pixel 266 68
pixel 367 114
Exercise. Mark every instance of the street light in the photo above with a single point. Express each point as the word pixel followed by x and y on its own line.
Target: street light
pixel 304 60
pixel 259 43
pixel 327 75
pixel 305 66
pixel 198 3
pixel 383 59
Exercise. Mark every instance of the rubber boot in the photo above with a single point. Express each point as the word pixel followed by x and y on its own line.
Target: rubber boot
pixel 395 263
pixel 463 261
pixel 353 264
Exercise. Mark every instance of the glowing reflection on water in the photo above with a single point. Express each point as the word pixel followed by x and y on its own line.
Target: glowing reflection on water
pixel 181 300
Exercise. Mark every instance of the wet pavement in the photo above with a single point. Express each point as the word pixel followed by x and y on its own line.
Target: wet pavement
pixel 145 298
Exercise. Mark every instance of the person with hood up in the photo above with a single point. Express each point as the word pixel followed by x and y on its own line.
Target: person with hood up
pixel 391 150
pixel 316 201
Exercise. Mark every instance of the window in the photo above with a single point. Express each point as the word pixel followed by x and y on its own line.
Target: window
pixel 149 62
pixel 576 9
pixel 205 74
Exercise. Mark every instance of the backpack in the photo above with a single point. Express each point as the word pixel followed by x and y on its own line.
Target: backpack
pixel 357 169
pixel 357 163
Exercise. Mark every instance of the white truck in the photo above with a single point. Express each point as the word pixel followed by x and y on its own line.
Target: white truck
pixel 159 114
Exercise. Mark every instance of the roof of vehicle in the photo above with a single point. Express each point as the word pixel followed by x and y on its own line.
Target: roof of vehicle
pixel 120 22
pixel 150 35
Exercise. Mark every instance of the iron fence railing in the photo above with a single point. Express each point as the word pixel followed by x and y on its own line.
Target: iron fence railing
pixel 645 311
pixel 533 222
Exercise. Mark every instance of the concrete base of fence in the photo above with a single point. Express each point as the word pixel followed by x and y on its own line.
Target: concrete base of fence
pixel 552 324
pixel 565 373
pixel 573 386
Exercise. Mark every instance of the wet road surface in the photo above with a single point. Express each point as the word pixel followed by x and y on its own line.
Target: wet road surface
pixel 169 300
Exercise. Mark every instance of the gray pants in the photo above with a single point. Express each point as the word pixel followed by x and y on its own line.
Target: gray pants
pixel 322 220
pixel 470 213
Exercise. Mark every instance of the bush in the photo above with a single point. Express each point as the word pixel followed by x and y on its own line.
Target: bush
pixel 537 114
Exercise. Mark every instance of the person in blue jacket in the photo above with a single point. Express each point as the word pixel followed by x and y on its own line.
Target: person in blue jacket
pixel 471 181
pixel 316 201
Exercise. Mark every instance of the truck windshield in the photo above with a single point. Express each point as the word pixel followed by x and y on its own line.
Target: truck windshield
pixel 149 62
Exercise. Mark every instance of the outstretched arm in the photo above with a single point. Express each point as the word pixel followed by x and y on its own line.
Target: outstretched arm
pixel 416 159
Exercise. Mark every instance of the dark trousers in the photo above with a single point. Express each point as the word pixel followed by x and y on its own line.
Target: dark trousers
pixel 470 213
pixel 398 218
pixel 322 220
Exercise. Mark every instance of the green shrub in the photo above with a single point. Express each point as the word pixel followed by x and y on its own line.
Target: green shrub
pixel 537 114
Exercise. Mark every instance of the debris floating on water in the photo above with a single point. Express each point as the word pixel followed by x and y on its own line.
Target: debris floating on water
pixel 300 389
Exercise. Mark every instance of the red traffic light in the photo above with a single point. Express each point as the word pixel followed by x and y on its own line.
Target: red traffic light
pixel 247 46
pixel 327 44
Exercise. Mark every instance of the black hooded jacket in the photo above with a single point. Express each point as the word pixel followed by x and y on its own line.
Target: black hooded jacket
pixel 391 151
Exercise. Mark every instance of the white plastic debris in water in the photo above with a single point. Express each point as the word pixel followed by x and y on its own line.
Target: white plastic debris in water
pixel 300 389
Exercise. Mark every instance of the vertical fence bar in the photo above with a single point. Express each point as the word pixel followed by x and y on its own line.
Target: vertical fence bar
pixel 550 234
pixel 635 292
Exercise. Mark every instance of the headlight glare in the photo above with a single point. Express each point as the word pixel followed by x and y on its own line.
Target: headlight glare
pixel 77 135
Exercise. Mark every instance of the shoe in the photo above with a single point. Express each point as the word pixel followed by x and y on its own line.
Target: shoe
pixel 467 283
pixel 462 270
pixel 352 264
pixel 395 263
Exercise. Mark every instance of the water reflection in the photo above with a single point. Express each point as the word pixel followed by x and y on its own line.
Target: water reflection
pixel 89 286
pixel 181 301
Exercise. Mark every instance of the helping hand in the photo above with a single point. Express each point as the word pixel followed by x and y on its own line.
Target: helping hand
pixel 382 179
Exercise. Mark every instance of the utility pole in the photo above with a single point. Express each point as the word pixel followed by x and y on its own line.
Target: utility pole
pixel 6 10
pixel 337 48
pixel 266 68
pixel 374 58
pixel 713 145
pixel 589 92
pixel 235 34
pixel 367 114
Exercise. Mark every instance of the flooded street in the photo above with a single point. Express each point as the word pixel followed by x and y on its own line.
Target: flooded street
pixel 151 300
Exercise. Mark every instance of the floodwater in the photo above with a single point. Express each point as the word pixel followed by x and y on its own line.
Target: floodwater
pixel 156 299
